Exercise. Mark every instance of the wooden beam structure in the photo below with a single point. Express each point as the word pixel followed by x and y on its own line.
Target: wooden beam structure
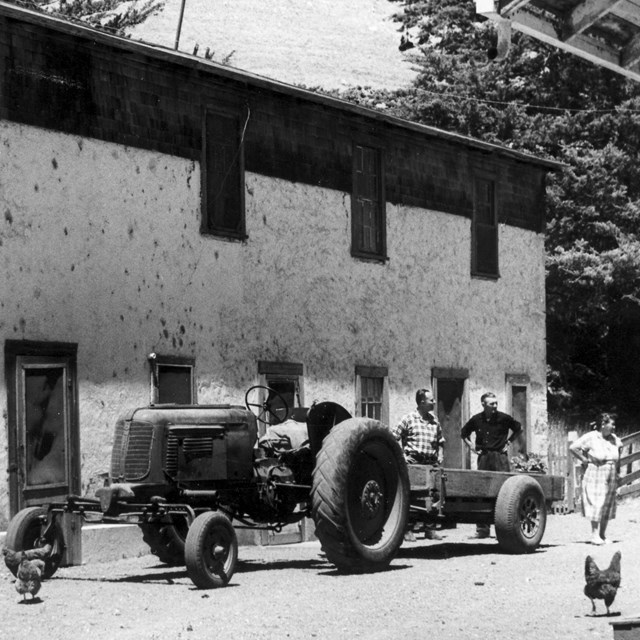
pixel 604 32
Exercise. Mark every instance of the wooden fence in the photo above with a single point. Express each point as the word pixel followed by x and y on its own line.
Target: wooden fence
pixel 562 463
pixel 630 465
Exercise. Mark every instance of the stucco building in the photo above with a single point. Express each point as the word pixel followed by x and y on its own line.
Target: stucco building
pixel 176 230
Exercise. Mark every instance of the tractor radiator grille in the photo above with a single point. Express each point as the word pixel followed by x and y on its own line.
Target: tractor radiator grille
pixel 171 456
pixel 131 456
pixel 192 449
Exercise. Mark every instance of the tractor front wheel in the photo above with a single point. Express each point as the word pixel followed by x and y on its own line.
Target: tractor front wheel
pixel 211 550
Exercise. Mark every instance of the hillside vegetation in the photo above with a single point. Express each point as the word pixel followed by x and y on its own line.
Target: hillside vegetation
pixel 330 43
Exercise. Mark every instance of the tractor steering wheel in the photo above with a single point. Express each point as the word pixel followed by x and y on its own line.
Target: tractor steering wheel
pixel 262 410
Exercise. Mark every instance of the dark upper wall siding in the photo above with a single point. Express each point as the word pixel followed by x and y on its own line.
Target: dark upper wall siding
pixel 72 83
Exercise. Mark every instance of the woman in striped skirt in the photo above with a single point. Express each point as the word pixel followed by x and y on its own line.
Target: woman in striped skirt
pixel 599 452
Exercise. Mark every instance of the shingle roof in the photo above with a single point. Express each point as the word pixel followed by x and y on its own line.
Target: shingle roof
pixel 163 53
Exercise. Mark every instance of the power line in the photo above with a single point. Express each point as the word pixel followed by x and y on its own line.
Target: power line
pixel 445 96
pixel 525 105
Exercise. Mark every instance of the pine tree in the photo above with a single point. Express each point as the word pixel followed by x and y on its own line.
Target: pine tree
pixel 545 101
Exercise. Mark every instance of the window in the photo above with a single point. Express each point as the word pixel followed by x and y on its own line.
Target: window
pixel 368 221
pixel 172 380
pixel 223 176
pixel 484 238
pixel 371 393
pixel 285 379
pixel 371 397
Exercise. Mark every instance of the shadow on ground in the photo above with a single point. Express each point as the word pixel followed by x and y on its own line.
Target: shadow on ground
pixel 161 574
pixel 446 550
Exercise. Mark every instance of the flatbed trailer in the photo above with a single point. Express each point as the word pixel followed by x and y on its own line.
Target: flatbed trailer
pixel 515 503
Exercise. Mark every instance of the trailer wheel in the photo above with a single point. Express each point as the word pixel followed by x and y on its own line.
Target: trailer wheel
pixel 360 496
pixel 521 516
pixel 211 550
pixel 166 541
pixel 25 531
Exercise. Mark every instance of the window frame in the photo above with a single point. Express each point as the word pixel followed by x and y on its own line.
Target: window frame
pixel 477 226
pixel 357 250
pixel 274 371
pixel 379 372
pixel 159 360
pixel 208 224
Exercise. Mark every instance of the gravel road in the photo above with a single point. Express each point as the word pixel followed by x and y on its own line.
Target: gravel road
pixel 454 589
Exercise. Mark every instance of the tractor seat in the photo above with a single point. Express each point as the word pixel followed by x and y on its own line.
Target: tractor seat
pixel 299 414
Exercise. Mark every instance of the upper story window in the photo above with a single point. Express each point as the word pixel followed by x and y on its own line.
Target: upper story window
pixel 368 219
pixel 223 176
pixel 484 235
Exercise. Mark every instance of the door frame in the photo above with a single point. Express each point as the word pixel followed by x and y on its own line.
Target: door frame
pixel 455 373
pixel 520 380
pixel 283 372
pixel 62 351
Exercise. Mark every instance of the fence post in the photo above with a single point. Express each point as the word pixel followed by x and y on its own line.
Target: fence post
pixel 572 481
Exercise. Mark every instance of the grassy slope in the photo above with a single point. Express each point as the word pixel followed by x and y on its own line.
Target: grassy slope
pixel 330 43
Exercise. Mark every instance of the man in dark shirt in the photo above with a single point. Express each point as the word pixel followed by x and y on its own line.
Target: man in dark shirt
pixel 495 431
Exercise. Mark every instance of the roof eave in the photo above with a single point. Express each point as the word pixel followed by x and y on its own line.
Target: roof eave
pixel 242 76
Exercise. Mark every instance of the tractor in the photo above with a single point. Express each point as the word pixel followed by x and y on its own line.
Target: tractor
pixel 186 473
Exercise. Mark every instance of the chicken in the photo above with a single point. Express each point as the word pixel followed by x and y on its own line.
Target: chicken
pixel 602 585
pixel 13 558
pixel 29 577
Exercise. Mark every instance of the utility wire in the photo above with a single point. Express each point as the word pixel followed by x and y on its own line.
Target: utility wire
pixel 526 105
pixel 445 96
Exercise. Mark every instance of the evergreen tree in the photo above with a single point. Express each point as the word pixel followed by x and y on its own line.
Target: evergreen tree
pixel 548 102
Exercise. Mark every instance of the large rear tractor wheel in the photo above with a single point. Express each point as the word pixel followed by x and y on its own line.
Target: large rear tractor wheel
pixel 167 540
pixel 27 531
pixel 211 550
pixel 360 496
pixel 521 516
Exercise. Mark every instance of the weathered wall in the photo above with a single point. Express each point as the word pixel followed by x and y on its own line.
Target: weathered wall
pixel 101 246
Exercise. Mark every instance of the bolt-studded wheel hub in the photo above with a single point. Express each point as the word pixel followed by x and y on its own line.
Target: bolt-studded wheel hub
pixel 371 500
pixel 529 517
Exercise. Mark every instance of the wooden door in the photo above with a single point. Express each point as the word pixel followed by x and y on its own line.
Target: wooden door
pixel 450 411
pixel 519 413
pixel 44 457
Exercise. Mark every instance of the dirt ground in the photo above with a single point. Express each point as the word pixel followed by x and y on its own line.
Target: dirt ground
pixel 454 589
